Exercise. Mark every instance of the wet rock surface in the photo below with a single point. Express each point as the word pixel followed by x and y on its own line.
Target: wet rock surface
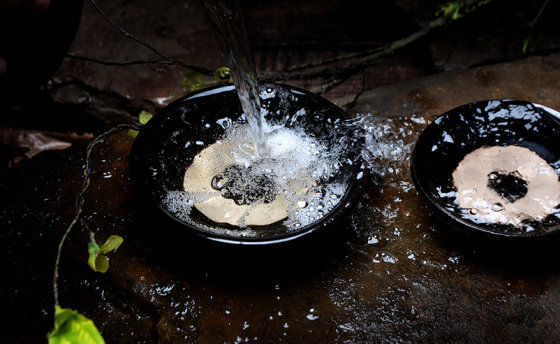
pixel 388 273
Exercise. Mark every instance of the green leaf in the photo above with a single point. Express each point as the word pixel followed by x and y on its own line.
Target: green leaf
pixel 193 81
pixel 98 259
pixel 132 133
pixel 144 117
pixel 450 10
pixel 94 250
pixel 525 44
pixel 70 327
pixel 112 244
pixel 101 263
pixel 221 74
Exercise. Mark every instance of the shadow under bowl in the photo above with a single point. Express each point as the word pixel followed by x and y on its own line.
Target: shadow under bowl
pixel 167 145
pixel 450 137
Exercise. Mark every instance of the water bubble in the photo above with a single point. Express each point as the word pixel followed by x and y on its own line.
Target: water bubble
pixel 218 182
pixel 319 193
pixel 497 207
pixel 224 122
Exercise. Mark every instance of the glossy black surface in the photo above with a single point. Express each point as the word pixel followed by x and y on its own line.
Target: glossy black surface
pixel 446 141
pixel 168 143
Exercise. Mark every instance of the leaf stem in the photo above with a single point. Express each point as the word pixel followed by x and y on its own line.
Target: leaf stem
pixel 540 12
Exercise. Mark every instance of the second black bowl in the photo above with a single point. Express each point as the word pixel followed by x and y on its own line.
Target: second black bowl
pixel 450 137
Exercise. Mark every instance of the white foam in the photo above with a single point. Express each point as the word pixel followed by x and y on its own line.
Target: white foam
pixel 300 165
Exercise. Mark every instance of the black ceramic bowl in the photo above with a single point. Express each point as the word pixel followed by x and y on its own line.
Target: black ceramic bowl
pixel 446 141
pixel 168 143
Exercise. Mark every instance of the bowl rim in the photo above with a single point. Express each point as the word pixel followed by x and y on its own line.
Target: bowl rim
pixel 457 222
pixel 334 214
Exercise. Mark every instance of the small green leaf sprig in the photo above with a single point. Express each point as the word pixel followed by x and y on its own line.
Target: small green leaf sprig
pixel 71 327
pixel 143 118
pixel 193 79
pixel 98 259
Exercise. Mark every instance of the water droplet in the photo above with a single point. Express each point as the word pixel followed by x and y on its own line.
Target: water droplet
pixel 372 240
pixel 497 207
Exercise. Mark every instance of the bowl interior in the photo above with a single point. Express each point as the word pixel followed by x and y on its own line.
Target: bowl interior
pixel 169 142
pixel 445 142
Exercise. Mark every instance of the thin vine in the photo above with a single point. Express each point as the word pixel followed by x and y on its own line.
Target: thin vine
pixel 80 199
pixel 531 25
pixel 69 325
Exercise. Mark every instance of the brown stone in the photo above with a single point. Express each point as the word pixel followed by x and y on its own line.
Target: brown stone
pixel 392 274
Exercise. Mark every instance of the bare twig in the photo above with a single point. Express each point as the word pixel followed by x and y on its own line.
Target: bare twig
pixel 330 85
pixel 168 60
pixel 368 60
pixel 126 33
pixel 532 26
pixel 332 60
pixel 173 62
pixel 540 11
pixel 354 100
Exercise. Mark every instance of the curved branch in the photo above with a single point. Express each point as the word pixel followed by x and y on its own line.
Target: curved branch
pixel 198 69
pixel 168 60
pixel 364 59
pixel 307 71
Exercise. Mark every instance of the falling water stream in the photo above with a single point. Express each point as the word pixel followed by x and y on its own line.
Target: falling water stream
pixel 228 23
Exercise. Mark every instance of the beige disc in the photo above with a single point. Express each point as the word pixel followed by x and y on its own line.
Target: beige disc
pixel 473 193
pixel 198 177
